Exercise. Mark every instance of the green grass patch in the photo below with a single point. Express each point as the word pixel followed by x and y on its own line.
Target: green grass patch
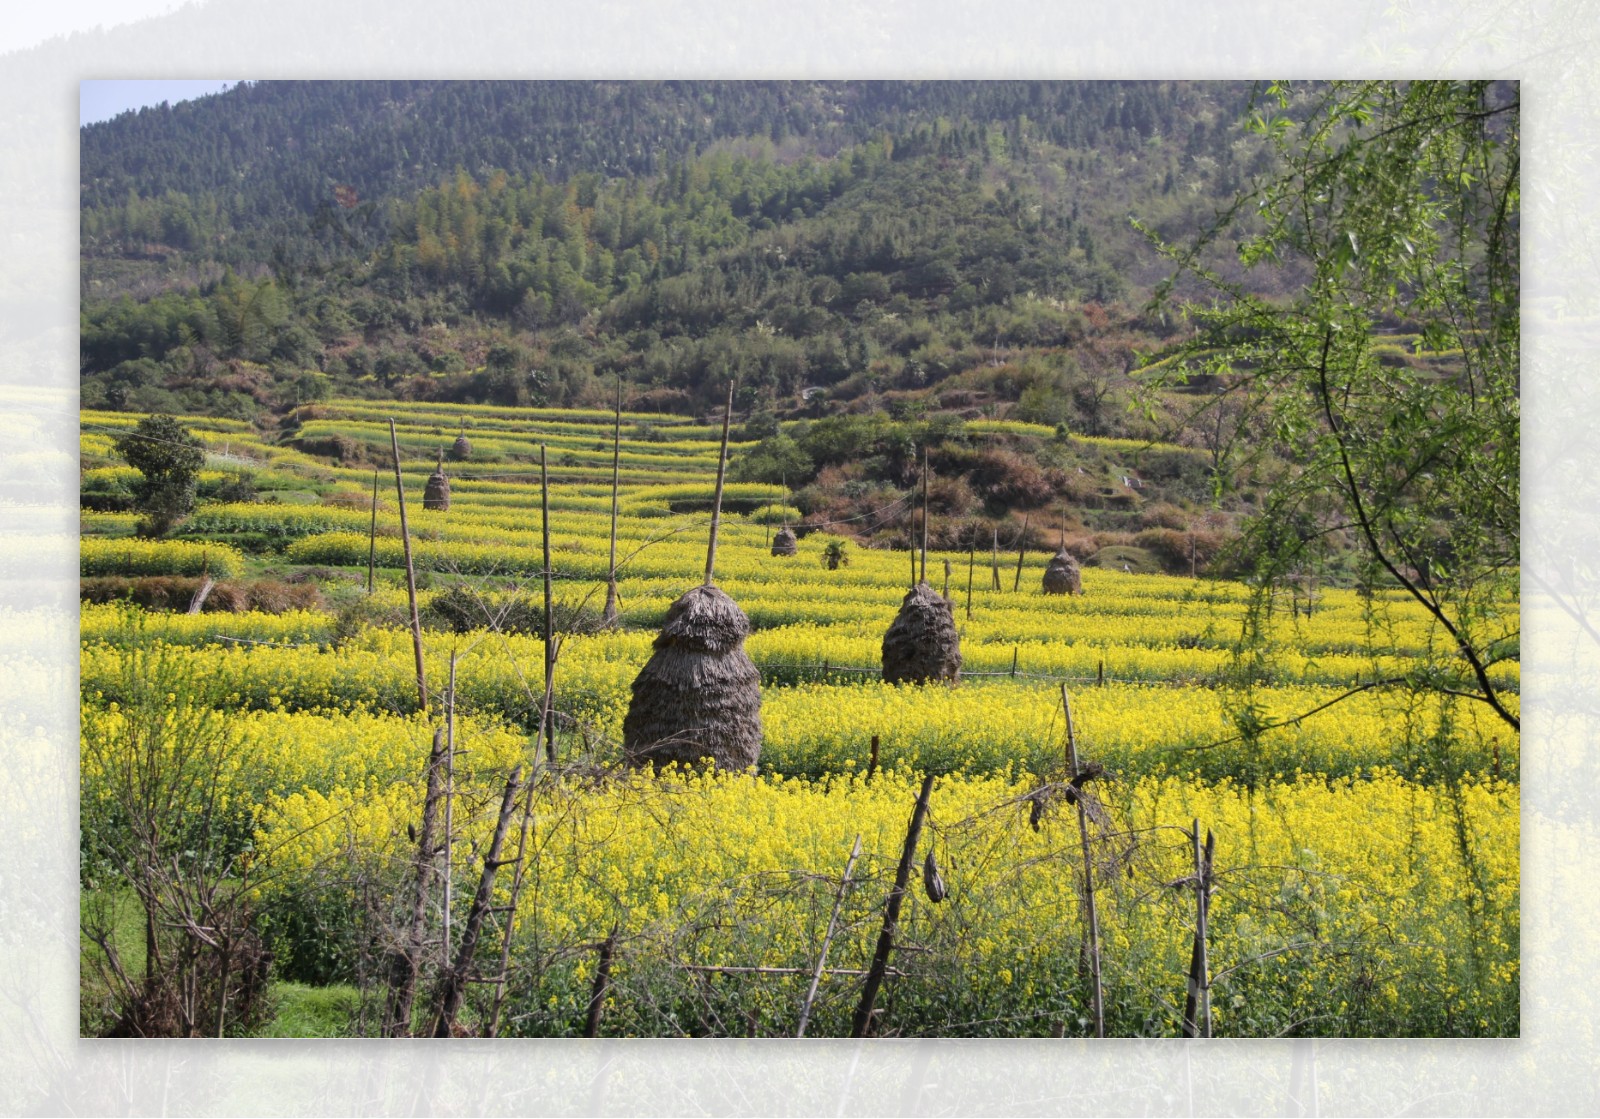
pixel 300 1010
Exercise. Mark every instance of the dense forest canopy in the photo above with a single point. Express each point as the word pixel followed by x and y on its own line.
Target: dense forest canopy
pixel 526 241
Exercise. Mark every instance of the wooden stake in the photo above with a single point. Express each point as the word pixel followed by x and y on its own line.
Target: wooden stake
pixel 716 501
pixel 872 759
pixel 411 574
pixel 372 537
pixel 833 920
pixel 453 983
pixel 602 980
pixel 1197 1006
pixel 994 562
pixel 207 584
pixel 407 957
pixel 516 893
pixel 891 915
pixel 449 792
pixel 1091 918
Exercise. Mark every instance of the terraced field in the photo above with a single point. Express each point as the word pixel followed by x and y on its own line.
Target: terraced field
pixel 1366 867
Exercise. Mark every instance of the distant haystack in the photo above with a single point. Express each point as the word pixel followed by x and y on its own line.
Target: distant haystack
pixel 784 542
pixel 461 449
pixel 699 695
pixel 1061 574
pixel 436 494
pixel 922 643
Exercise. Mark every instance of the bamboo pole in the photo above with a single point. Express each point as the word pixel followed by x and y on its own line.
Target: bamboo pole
pixel 1022 550
pixel 827 937
pixel 372 536
pixel 411 574
pixel 891 914
pixel 924 514
pixel 1091 918
pixel 911 534
pixel 716 501
pixel 616 473
pixel 549 611
pixel 972 558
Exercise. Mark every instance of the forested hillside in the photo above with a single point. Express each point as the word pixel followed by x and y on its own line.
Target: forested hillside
pixel 512 242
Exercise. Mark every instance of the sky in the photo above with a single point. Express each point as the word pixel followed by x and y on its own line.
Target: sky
pixel 102 100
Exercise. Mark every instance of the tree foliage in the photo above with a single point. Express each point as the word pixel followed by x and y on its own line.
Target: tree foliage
pixel 863 237
pixel 1390 379
pixel 168 458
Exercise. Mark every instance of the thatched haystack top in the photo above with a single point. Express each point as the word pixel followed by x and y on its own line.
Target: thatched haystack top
pixel 461 449
pixel 1062 575
pixel 706 620
pixel 784 542
pixel 436 494
pixel 699 695
pixel 922 643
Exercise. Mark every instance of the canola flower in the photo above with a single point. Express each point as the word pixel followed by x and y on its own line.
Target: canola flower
pixel 97 556
pixel 1368 855
pixel 1358 907
pixel 815 728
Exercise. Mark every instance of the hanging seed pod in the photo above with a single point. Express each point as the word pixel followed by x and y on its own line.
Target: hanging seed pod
pixel 931 880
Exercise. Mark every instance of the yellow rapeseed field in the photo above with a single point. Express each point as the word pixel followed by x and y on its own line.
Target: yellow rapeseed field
pixel 1366 820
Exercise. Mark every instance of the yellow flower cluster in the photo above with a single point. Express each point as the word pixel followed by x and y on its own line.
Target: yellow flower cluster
pixel 1367 856
pixel 1371 906
pixel 99 556
pixel 818 727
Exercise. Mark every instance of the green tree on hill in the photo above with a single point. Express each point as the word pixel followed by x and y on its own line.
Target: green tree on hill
pixel 168 458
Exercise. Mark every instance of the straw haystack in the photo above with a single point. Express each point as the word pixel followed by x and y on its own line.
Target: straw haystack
pixel 699 695
pixel 461 449
pixel 436 494
pixel 1061 574
pixel 784 542
pixel 922 644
